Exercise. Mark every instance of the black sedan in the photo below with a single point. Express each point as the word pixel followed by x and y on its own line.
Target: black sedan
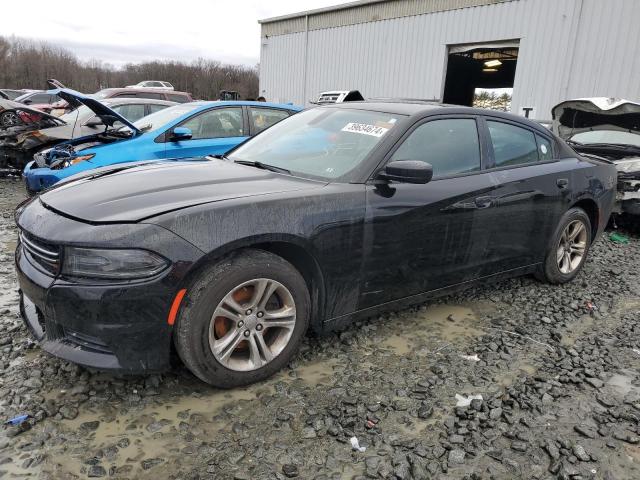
pixel 332 214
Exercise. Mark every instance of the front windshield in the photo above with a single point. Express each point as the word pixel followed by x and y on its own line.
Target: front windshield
pixel 160 118
pixel 607 136
pixel 325 143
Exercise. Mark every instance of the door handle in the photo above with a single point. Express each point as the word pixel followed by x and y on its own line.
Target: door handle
pixel 562 183
pixel 483 202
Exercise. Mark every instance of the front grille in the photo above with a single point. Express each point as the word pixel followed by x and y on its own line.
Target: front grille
pixel 42 255
pixel 85 342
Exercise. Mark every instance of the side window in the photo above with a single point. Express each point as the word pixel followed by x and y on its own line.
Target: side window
pixel 512 145
pixel 130 111
pixel 451 146
pixel 127 95
pixel 262 118
pixel 40 98
pixel 545 151
pixel 216 123
pixel 153 108
pixel 174 97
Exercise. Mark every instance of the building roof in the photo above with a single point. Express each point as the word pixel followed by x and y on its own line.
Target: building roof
pixel 361 11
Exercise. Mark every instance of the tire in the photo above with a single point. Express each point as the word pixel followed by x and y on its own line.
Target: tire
pixel 235 279
pixel 9 119
pixel 555 270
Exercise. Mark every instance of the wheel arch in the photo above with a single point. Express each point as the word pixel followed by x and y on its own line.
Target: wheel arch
pixel 592 210
pixel 292 248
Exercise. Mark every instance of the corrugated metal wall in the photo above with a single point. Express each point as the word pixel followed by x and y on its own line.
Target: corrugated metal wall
pixel 568 49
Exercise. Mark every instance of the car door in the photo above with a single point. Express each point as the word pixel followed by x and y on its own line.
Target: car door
pixel 261 118
pixel 214 132
pixel 425 237
pixel 527 197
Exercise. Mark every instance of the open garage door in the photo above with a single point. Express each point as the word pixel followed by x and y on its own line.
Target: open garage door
pixel 486 66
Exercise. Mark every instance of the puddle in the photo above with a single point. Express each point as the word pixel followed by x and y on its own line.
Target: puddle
pixel 623 385
pixel 577 329
pixel 314 373
pixel 443 323
pixel 517 370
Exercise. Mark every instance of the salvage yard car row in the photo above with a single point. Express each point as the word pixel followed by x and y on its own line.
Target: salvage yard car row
pixel 334 213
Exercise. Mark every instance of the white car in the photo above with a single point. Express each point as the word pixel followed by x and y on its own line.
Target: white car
pixel 152 84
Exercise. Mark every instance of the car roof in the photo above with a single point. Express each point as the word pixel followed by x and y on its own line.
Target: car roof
pixel 143 90
pixel 123 101
pixel 416 107
pixel 249 103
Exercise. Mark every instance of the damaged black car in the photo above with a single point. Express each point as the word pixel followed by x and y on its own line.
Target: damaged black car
pixel 18 146
pixel 607 128
pixel 332 214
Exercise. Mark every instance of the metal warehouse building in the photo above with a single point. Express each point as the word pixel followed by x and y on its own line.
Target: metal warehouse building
pixel 546 50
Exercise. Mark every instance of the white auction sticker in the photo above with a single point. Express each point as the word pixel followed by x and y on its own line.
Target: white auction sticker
pixel 365 129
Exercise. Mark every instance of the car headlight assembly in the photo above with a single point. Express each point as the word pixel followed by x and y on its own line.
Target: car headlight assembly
pixel 628 166
pixel 116 264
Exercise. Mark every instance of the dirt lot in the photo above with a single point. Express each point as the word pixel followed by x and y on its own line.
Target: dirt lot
pixel 558 369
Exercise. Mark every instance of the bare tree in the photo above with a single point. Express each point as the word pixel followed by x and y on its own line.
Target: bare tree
pixel 28 64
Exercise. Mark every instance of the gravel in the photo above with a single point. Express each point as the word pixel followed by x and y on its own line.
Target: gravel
pixel 558 370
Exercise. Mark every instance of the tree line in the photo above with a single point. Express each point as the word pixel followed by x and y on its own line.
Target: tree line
pixel 28 64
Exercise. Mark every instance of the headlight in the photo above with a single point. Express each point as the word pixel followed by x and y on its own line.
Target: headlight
pixel 116 264
pixel 628 165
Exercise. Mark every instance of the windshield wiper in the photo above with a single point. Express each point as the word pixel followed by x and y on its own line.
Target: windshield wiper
pixel 263 166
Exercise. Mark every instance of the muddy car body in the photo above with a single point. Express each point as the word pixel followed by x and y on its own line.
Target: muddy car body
pixel 19 147
pixel 335 213
pixel 608 128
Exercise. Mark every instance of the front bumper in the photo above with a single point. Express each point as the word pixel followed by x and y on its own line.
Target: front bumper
pixel 38 178
pixel 111 326
pixel 628 194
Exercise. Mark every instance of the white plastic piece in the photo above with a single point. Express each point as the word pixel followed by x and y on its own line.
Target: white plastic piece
pixel 356 445
pixel 466 401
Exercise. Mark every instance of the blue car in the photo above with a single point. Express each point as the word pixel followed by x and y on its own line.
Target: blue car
pixel 194 129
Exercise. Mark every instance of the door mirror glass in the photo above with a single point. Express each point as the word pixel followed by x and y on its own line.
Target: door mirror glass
pixel 408 171
pixel 181 133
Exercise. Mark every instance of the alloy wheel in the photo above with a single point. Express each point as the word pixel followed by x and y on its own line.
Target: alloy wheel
pixel 252 324
pixel 572 247
pixel 9 119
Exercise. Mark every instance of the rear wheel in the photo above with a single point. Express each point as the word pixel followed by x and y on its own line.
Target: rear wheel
pixel 243 319
pixel 568 249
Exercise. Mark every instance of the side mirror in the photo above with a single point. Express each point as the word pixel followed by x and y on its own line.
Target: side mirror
pixel 180 133
pixel 94 122
pixel 408 171
pixel 28 102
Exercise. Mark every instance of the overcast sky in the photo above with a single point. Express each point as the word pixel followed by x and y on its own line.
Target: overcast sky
pixel 133 31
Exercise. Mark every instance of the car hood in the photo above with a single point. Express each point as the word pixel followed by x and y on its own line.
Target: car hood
pixel 599 113
pixel 108 116
pixel 132 193
pixel 11 105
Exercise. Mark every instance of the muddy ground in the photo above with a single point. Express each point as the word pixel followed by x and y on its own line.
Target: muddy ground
pixel 557 368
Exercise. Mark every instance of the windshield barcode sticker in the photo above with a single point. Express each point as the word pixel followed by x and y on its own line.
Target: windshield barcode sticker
pixel 365 129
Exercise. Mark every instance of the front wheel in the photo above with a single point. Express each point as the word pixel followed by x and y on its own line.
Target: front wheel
pixel 243 319
pixel 9 119
pixel 568 249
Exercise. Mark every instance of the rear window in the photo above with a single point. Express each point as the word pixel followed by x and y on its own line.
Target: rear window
pixel 175 97
pixel 512 145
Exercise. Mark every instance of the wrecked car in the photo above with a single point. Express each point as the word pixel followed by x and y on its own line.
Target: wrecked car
pixel 19 147
pixel 334 213
pixel 10 94
pixel 182 131
pixel 608 128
